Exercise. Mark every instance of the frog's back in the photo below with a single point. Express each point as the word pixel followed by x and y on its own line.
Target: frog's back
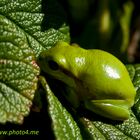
pixel 106 74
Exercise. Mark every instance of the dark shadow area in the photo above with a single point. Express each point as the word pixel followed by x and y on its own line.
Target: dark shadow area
pixel 54 15
pixel 77 26
pixel 95 117
pixel 59 89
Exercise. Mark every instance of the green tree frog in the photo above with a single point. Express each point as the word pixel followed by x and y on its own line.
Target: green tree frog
pixel 96 78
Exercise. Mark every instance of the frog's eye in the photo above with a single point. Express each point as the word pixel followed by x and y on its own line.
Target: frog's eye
pixel 53 65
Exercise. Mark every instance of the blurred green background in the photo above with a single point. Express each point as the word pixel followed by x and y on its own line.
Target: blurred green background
pixel 113 26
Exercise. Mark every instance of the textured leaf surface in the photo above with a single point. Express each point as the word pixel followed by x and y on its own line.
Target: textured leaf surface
pixel 33 17
pixel 63 125
pixel 25 30
pixel 18 73
pixel 135 71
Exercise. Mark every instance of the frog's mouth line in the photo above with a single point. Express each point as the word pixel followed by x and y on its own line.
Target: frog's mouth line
pixel 76 84
pixel 68 73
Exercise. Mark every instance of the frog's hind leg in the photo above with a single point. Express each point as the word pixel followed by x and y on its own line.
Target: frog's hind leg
pixel 113 109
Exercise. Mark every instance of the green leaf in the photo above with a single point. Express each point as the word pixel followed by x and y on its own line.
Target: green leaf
pixel 26 29
pixel 33 17
pixel 63 125
pixel 90 131
pixel 18 73
pixel 136 82
pixel 98 128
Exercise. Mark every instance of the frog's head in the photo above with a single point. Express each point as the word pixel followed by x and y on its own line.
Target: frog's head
pixel 58 62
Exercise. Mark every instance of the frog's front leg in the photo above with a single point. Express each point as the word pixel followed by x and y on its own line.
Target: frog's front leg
pixel 113 109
